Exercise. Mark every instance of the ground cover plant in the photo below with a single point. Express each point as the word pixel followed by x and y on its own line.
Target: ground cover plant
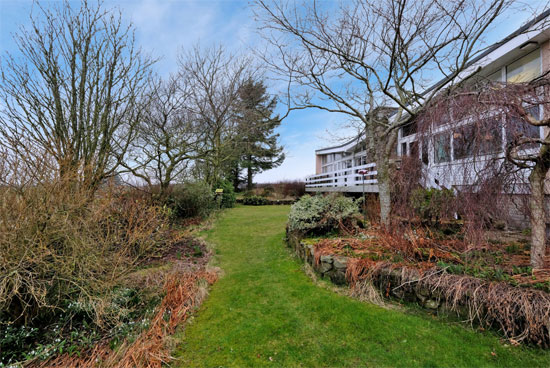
pixel 266 311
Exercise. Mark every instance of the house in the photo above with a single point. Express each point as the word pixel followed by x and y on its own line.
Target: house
pixel 520 57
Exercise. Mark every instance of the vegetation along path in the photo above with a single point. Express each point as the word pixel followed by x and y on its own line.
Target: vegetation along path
pixel 266 311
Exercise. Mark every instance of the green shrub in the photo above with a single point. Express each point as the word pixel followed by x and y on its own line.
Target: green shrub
pixel 255 201
pixel 228 197
pixel 191 200
pixel 432 204
pixel 322 214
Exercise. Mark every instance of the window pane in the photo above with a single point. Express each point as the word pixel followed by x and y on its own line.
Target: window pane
pixel 517 127
pixel 413 147
pixel 463 142
pixel 442 148
pixel 525 69
pixel 496 76
pixel 409 129
pixel 425 157
pixel 490 135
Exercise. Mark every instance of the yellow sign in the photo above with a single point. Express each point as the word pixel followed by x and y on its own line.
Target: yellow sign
pixel 219 191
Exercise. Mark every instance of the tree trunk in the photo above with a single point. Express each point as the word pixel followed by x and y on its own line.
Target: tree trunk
pixel 538 216
pixel 384 190
pixel 249 174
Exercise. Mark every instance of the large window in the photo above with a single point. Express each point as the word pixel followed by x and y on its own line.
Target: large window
pixel 442 148
pixel 525 69
pixel 482 138
pixel 517 127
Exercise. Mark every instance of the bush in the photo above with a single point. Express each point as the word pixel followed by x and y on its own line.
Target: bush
pixel 228 197
pixel 191 200
pixel 432 204
pixel 61 245
pixel 255 201
pixel 323 214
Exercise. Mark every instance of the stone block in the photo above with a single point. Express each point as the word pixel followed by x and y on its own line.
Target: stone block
pixel 340 263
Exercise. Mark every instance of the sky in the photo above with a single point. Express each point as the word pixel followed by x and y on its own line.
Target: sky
pixel 166 27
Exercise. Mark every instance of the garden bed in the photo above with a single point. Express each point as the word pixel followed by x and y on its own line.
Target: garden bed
pixel 492 285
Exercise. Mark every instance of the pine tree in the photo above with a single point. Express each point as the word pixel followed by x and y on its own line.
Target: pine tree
pixel 259 148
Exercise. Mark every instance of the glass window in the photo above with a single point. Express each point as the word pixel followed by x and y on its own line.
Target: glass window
pixel 517 127
pixel 490 135
pixel 525 69
pixel 442 148
pixel 403 149
pixel 496 76
pixel 463 142
pixel 483 138
pixel 425 157
pixel 413 148
pixel 409 129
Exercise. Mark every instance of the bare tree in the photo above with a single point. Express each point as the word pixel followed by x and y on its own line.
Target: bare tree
pixel 169 136
pixel 74 91
pixel 494 123
pixel 215 76
pixel 363 56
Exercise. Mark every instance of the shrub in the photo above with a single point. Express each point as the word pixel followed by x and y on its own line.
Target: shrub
pixel 323 214
pixel 228 197
pixel 433 204
pixel 255 201
pixel 61 245
pixel 191 200
pixel 268 191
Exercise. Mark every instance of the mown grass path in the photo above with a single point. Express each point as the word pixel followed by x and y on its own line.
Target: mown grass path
pixel 266 312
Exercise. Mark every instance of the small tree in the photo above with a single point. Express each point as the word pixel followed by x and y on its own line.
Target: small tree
pixel 256 123
pixel 74 94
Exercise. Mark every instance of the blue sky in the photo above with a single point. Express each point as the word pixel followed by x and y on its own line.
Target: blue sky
pixel 165 27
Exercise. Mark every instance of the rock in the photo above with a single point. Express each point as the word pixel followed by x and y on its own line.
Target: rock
pixel 326 259
pixel 432 304
pixel 325 267
pixel 340 263
pixel 338 276
pixel 422 293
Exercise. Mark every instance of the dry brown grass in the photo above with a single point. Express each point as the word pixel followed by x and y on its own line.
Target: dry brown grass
pixel 151 349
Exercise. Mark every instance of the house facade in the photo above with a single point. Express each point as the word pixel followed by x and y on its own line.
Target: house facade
pixel 521 57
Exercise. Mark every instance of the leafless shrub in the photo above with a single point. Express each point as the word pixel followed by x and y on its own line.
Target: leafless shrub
pixel 62 246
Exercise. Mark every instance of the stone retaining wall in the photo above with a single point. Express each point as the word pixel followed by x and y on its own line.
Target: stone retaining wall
pixel 514 311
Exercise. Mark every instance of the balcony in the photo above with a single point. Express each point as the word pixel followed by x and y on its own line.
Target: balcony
pixel 344 180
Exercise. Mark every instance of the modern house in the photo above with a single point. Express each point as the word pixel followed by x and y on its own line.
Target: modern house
pixel 520 57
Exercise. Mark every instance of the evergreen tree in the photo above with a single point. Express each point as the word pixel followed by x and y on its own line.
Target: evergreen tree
pixel 259 149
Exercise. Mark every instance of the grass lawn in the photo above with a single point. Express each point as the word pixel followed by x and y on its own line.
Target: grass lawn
pixel 266 311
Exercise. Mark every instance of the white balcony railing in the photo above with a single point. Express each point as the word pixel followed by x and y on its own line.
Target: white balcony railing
pixel 343 178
